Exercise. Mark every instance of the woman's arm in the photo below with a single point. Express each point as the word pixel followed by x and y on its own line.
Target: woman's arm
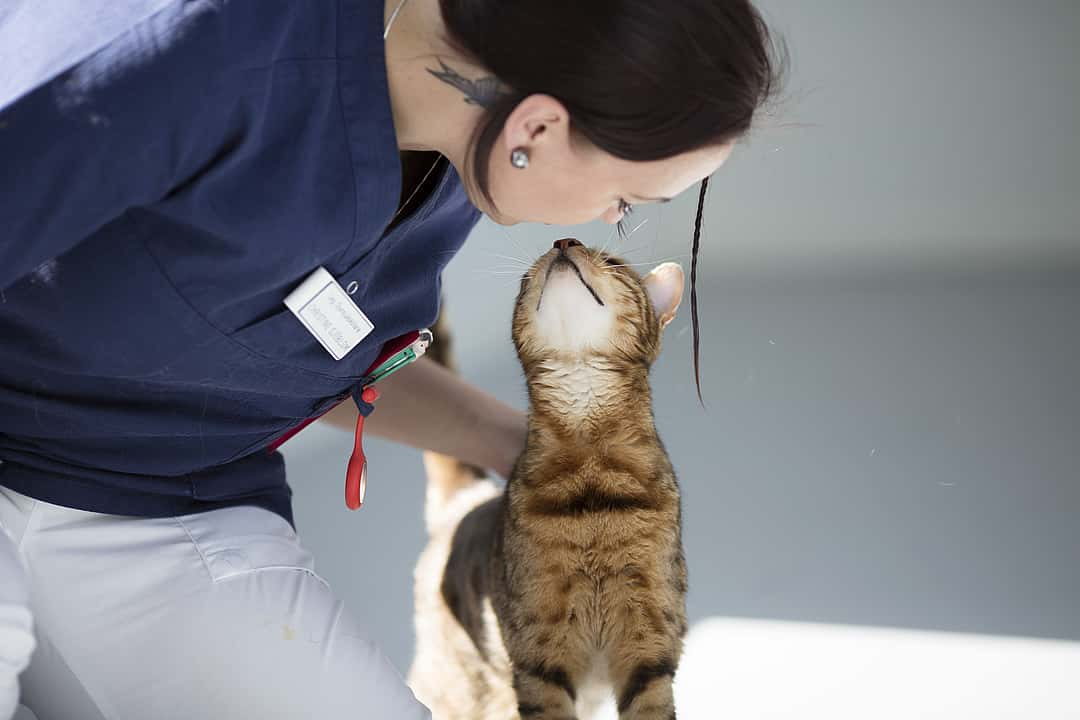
pixel 428 407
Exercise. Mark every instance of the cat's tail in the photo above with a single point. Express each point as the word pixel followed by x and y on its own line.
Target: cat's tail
pixel 446 476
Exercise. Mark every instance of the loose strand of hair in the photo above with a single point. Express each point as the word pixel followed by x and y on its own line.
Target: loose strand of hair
pixel 693 288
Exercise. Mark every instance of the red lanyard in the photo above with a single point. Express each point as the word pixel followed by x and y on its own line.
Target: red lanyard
pixel 356 474
pixel 395 356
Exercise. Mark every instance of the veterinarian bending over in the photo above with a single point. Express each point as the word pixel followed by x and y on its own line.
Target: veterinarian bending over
pixel 172 171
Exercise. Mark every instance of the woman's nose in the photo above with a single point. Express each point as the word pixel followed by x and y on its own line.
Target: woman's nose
pixel 566 243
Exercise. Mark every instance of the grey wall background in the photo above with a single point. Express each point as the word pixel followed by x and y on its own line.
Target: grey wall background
pixel 890 302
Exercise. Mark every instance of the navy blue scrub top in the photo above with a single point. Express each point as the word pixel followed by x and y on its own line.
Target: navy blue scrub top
pixel 158 201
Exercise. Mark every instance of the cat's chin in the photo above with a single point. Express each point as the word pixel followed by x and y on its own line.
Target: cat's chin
pixel 569 314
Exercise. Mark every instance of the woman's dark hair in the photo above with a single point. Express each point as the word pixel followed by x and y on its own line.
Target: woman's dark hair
pixel 641 79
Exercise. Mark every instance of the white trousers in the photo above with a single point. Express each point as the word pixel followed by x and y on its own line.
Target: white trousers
pixel 211 615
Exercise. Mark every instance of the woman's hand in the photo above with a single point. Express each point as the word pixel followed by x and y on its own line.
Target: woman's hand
pixel 428 407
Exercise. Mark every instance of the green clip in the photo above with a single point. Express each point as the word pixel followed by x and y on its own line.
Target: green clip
pixel 393 363
pixel 400 359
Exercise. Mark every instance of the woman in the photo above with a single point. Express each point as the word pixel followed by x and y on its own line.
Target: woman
pixel 176 170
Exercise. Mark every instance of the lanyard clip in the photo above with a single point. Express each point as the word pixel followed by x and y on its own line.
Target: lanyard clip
pixel 400 359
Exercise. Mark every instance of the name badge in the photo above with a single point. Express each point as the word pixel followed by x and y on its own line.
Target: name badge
pixel 329 314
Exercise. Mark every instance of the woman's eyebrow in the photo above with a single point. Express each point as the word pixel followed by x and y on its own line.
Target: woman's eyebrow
pixel 641 198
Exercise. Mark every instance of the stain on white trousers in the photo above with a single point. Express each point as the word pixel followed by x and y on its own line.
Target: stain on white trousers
pixel 213 615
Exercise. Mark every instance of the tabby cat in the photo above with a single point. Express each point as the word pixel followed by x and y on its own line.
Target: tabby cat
pixel 542 600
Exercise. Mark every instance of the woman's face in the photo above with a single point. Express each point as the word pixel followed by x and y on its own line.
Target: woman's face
pixel 569 180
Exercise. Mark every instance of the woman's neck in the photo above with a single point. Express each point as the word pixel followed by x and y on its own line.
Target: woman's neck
pixel 425 76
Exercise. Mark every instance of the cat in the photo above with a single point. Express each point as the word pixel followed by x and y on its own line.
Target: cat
pixel 541 601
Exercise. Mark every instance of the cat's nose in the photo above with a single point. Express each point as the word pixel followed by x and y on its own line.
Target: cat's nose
pixel 566 243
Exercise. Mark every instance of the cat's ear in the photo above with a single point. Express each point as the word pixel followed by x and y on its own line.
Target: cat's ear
pixel 664 285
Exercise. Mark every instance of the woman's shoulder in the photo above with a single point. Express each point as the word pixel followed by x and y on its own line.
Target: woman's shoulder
pixel 88 44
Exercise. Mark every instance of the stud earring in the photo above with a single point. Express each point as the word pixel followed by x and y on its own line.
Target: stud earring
pixel 519 158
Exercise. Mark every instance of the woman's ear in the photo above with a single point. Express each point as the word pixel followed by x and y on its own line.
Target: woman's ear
pixel 664 286
pixel 536 116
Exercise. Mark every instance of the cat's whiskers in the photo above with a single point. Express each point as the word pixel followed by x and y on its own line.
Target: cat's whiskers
pixel 505 268
pixel 513 265
pixel 649 262
pixel 512 258
pixel 511 276
pixel 636 228
pixel 633 250
pixel 607 243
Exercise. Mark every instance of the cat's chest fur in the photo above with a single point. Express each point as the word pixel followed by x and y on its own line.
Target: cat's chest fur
pixel 577 389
